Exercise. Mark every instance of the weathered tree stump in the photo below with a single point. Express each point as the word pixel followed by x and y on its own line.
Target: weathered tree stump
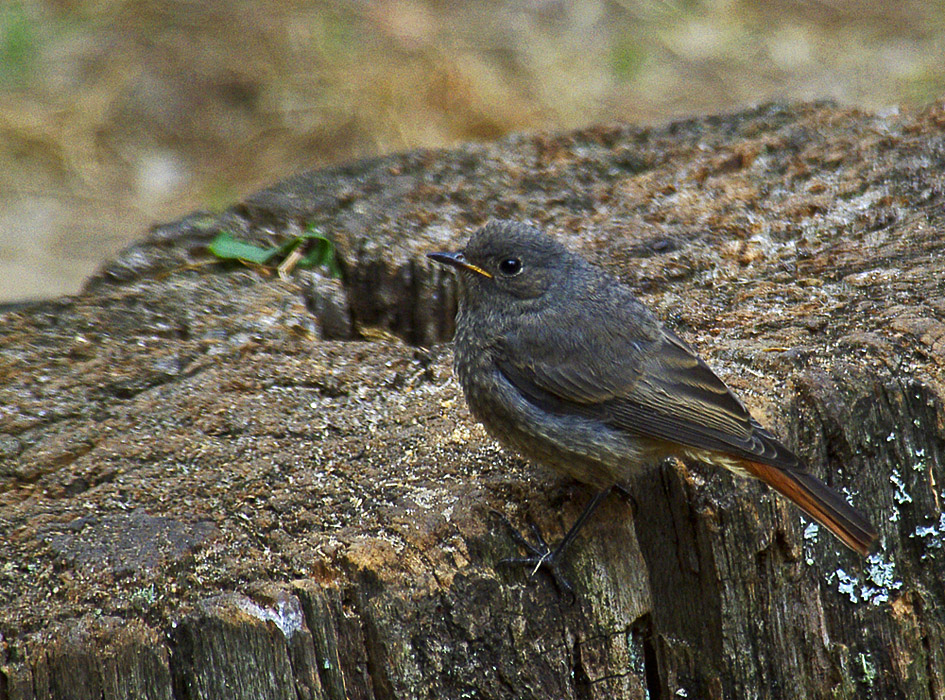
pixel 216 484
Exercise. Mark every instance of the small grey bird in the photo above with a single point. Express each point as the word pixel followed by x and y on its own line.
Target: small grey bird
pixel 561 363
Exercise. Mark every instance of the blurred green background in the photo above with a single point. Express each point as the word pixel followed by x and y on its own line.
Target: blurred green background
pixel 118 114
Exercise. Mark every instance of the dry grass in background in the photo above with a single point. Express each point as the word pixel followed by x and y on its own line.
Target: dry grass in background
pixel 117 114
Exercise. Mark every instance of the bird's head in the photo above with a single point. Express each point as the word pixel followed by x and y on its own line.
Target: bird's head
pixel 506 258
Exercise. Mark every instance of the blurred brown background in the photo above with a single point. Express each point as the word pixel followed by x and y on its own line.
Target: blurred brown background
pixel 118 114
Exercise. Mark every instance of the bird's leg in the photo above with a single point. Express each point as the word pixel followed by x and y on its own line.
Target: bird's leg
pixel 541 554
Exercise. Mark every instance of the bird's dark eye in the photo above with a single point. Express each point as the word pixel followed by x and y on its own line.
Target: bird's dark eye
pixel 510 266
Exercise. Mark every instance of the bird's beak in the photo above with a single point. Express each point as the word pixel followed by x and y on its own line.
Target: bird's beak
pixel 458 260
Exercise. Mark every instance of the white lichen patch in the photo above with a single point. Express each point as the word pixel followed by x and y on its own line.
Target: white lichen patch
pixel 846 584
pixel 876 588
pixel 880 580
pixel 901 495
pixel 286 615
pixel 811 535
pixel 932 536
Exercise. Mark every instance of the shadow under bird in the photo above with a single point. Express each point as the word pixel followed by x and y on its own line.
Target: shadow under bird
pixel 562 364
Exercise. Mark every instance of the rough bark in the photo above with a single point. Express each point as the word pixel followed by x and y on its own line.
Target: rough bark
pixel 209 491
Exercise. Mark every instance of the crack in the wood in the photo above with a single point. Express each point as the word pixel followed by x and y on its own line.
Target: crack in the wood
pixel 582 682
pixel 608 677
pixel 929 666
pixel 651 671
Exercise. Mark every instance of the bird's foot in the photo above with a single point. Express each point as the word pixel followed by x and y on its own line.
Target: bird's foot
pixel 541 555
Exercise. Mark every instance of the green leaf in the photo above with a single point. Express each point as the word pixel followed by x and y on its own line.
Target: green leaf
pixel 226 247
pixel 321 251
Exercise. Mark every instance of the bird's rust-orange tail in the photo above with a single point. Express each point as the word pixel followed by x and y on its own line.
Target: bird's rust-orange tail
pixel 820 502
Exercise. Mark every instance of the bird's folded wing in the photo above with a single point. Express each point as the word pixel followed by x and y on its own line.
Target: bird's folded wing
pixel 671 395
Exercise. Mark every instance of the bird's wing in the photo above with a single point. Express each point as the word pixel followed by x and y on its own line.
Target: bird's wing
pixel 658 388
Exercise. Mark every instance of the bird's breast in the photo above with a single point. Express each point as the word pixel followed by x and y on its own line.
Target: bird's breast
pixel 580 447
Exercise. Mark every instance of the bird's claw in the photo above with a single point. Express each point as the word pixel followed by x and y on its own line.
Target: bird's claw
pixel 541 556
